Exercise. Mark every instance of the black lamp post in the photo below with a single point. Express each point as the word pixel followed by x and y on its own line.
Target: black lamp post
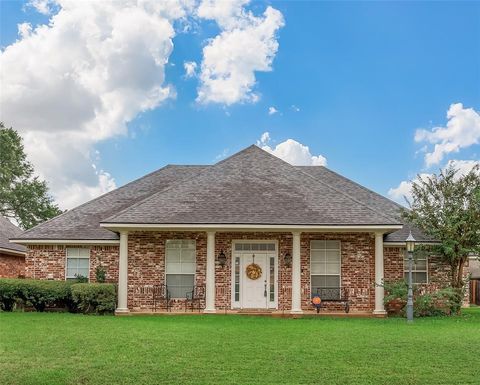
pixel 222 258
pixel 410 241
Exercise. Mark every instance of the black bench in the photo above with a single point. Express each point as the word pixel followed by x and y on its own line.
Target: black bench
pixel 324 295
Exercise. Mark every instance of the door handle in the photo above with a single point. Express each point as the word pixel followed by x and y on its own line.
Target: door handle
pixel 265 289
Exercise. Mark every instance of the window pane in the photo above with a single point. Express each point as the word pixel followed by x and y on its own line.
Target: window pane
pixel 332 268
pixel 83 263
pixel 188 255
pixel 72 252
pixel 335 245
pixel 72 263
pixel 318 268
pixel 173 255
pixel 179 284
pixel 188 268
pixel 317 245
pixel 317 256
pixel 85 253
pixel 174 268
pixel 332 256
pixel 71 272
pixel 420 264
pixel 83 272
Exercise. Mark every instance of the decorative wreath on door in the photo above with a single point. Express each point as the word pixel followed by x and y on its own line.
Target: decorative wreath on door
pixel 253 271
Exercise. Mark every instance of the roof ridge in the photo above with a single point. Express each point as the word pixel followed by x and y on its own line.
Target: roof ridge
pixel 26 232
pixel 184 181
pixel 347 195
pixel 265 153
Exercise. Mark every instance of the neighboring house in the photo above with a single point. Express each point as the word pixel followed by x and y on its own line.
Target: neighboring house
pixel 305 229
pixel 474 284
pixel 12 256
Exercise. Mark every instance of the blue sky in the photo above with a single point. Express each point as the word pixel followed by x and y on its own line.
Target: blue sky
pixel 353 81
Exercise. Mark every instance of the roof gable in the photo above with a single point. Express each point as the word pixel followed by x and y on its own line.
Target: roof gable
pixel 7 231
pixel 252 187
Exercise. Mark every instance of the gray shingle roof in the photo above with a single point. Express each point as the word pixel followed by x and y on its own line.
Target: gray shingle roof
pixel 9 230
pixel 82 222
pixel 369 197
pixel 252 187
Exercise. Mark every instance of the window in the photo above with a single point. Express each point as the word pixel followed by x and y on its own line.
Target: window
pixel 419 270
pixel 180 266
pixel 325 262
pixel 78 263
pixel 257 246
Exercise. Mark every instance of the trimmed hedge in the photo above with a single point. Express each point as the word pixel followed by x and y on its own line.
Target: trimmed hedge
pixel 99 298
pixel 85 297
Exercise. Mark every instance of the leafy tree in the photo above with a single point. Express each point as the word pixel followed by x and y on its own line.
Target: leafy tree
pixel 23 196
pixel 447 208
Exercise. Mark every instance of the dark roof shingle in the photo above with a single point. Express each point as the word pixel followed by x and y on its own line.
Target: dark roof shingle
pixel 9 230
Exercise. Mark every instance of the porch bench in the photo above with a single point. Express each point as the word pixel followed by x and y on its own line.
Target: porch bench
pixel 331 295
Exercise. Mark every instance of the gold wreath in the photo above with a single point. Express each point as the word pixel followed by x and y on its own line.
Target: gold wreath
pixel 253 271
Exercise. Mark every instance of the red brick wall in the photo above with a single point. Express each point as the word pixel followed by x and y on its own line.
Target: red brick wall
pixel 48 261
pixel 438 272
pixel 11 266
pixel 147 265
pixel 357 268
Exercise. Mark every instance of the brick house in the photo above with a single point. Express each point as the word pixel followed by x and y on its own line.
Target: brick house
pixel 12 256
pixel 252 230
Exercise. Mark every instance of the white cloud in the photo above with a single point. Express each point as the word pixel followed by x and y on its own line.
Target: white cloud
pixel 462 130
pixel 190 68
pixel 272 110
pixel 404 189
pixel 80 79
pixel 24 29
pixel 42 6
pixel 246 44
pixel 292 152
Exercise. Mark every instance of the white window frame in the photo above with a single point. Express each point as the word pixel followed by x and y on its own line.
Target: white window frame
pixel 414 269
pixel 340 261
pixel 76 257
pixel 195 261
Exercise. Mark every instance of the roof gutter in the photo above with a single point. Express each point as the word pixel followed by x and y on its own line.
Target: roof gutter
pixel 247 227
pixel 65 241
pixel 12 252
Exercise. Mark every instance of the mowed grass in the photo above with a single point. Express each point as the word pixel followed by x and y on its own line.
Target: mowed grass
pixel 54 348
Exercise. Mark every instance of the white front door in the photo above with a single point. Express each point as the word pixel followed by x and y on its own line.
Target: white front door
pixel 255 291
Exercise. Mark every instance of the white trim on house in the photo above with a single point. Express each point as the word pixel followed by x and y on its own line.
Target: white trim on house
pixel 65 241
pixel 247 227
pixel 14 253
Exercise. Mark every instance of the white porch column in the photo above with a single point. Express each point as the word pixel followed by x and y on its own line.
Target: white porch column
pixel 379 290
pixel 296 276
pixel 122 307
pixel 210 274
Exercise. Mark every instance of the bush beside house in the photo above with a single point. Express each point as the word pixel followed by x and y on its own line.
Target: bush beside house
pixel 97 298
pixel 446 301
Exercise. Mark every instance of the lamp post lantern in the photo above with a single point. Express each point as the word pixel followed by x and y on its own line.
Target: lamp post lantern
pixel 410 242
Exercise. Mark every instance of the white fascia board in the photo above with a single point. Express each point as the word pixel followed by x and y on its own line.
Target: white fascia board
pixel 12 252
pixel 65 241
pixel 246 227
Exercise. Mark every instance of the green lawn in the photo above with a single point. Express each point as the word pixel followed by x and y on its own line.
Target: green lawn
pixel 63 348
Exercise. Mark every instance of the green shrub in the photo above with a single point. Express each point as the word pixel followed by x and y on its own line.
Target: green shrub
pixel 8 293
pixel 41 294
pixel 100 274
pixel 97 298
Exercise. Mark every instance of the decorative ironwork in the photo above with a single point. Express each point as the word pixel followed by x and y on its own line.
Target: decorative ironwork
pixel 161 294
pixel 324 295
pixel 195 297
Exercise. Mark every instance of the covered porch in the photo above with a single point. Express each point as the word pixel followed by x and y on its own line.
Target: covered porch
pixel 270 270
